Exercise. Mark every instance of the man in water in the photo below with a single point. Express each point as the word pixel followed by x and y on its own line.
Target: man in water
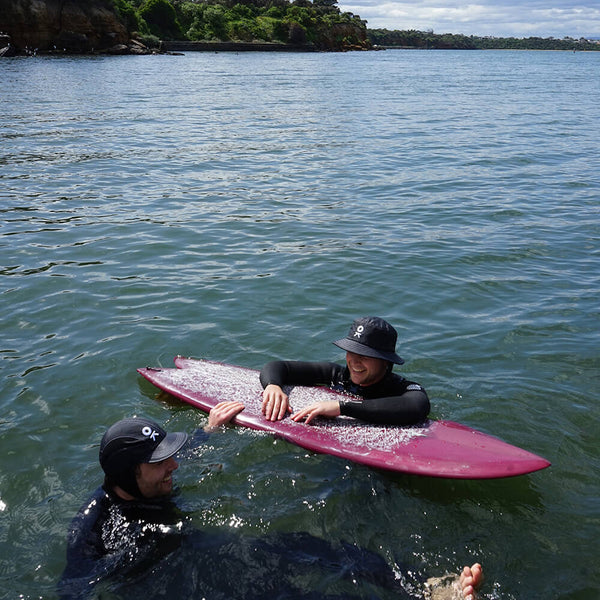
pixel 130 524
pixel 375 393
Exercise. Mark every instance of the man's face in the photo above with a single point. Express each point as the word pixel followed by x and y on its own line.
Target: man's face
pixel 365 370
pixel 156 479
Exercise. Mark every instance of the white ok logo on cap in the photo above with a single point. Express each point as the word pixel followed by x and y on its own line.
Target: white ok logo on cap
pixel 358 331
pixel 149 432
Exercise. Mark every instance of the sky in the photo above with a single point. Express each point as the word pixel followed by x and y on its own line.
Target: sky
pixel 499 18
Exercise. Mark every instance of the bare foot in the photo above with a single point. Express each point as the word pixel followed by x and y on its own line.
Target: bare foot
pixel 471 579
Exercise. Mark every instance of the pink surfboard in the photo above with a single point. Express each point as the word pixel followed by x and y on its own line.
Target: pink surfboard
pixel 435 448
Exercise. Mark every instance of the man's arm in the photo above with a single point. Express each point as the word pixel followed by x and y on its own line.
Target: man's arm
pixel 406 409
pixel 297 372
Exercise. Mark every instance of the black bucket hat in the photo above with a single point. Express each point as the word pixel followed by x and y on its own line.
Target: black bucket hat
pixel 130 442
pixel 373 337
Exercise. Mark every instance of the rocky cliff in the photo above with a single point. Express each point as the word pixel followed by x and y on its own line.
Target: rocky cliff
pixel 71 26
pixel 344 36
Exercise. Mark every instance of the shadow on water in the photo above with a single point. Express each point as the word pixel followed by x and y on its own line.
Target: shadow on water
pixel 172 558
pixel 225 566
pixel 509 491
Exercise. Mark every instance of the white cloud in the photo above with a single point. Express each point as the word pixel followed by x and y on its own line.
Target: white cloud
pixel 500 18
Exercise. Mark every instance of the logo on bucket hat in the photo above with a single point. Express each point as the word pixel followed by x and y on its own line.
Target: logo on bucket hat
pixel 373 337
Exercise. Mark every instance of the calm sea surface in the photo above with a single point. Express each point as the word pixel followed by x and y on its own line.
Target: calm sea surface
pixel 246 207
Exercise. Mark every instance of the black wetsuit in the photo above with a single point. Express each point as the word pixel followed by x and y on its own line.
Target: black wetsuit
pixel 110 535
pixel 150 550
pixel 394 400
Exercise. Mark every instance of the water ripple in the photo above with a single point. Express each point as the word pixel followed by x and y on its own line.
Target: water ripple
pixel 245 207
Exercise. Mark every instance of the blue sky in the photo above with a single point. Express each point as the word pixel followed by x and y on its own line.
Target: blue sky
pixel 502 18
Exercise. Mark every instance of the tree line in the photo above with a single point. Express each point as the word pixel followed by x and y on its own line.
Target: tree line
pixel 450 41
pixel 319 23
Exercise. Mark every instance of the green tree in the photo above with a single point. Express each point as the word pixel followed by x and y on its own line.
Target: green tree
pixel 161 18
pixel 128 14
pixel 187 13
pixel 215 23
pixel 297 34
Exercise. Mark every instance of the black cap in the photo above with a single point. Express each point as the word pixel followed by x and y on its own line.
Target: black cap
pixel 373 337
pixel 130 442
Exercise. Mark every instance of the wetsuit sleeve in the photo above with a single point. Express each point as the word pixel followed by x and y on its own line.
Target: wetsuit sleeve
pixel 287 372
pixel 407 409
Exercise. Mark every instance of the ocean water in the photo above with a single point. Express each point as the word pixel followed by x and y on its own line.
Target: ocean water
pixel 244 207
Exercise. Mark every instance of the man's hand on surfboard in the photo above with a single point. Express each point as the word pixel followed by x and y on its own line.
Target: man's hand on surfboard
pixel 222 413
pixel 275 403
pixel 329 408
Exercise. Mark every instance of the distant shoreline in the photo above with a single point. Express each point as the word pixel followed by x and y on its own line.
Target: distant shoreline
pixel 189 46
pixel 485 49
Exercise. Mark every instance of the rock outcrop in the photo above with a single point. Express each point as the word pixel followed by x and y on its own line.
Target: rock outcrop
pixel 344 36
pixel 63 26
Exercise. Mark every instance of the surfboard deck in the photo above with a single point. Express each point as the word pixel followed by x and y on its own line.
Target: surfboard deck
pixel 434 448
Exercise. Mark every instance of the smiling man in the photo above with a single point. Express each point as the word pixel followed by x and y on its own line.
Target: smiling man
pixel 375 393
pixel 137 457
